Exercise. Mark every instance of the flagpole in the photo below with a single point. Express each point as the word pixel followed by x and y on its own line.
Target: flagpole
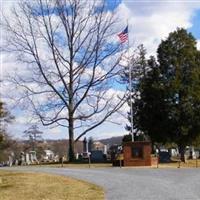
pixel 130 88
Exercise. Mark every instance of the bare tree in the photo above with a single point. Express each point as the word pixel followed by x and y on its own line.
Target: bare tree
pixel 34 135
pixel 72 62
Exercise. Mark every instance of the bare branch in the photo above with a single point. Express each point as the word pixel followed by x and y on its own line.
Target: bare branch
pixel 70 59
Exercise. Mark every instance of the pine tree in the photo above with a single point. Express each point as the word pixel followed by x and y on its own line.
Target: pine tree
pixel 5 118
pixel 5 140
pixel 90 144
pixel 150 108
pixel 180 68
pixel 169 106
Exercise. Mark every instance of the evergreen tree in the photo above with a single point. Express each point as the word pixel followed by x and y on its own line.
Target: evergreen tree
pixel 169 106
pixel 180 68
pixel 126 138
pixel 5 140
pixel 5 118
pixel 150 108
pixel 90 144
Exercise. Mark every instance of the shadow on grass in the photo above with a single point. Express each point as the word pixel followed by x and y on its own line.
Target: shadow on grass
pixel 5 186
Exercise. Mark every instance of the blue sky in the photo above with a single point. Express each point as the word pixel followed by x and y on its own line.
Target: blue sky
pixel 195 29
pixel 149 22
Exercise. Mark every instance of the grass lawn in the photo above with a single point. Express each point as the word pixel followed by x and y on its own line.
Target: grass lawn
pixel 175 164
pixel 187 164
pixel 79 165
pixel 34 186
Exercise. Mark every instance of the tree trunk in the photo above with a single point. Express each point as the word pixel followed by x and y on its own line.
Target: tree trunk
pixel 181 149
pixel 71 140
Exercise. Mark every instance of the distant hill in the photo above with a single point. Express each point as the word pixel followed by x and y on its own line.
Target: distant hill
pixel 111 141
pixel 60 147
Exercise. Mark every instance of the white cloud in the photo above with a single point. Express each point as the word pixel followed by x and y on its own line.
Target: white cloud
pixel 198 44
pixel 108 130
pixel 151 21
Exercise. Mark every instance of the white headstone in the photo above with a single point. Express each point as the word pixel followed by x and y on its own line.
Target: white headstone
pixel 105 149
pixel 27 159
pixel 10 160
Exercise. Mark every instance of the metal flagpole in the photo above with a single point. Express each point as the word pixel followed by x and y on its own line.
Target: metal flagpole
pixel 130 87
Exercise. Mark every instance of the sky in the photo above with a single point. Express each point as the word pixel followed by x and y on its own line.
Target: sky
pixel 149 22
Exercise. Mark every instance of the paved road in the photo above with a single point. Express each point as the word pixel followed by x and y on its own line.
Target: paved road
pixel 136 184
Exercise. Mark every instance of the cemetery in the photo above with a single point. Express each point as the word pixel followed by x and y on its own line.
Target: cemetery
pixel 153 95
pixel 103 91
pixel 124 154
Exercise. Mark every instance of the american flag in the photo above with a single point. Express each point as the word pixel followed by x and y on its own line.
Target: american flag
pixel 123 36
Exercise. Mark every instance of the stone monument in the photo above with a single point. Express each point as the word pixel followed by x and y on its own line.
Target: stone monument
pixel 138 154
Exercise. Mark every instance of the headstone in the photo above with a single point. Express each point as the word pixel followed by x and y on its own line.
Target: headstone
pixel 27 159
pixel 164 157
pixel 85 145
pixel 97 156
pixel 31 158
pixel 173 152
pixel 10 161
pixel 192 153
pixel 197 152
pixel 16 162
pixel 105 149
pixel 22 158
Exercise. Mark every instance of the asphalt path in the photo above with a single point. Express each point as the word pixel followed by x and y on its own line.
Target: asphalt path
pixel 135 183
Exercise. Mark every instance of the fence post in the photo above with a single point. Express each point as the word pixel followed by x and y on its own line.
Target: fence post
pixel 196 162
pixel 89 161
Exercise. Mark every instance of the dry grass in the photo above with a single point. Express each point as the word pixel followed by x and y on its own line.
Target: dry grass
pixel 176 164
pixel 34 186
pixel 79 165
